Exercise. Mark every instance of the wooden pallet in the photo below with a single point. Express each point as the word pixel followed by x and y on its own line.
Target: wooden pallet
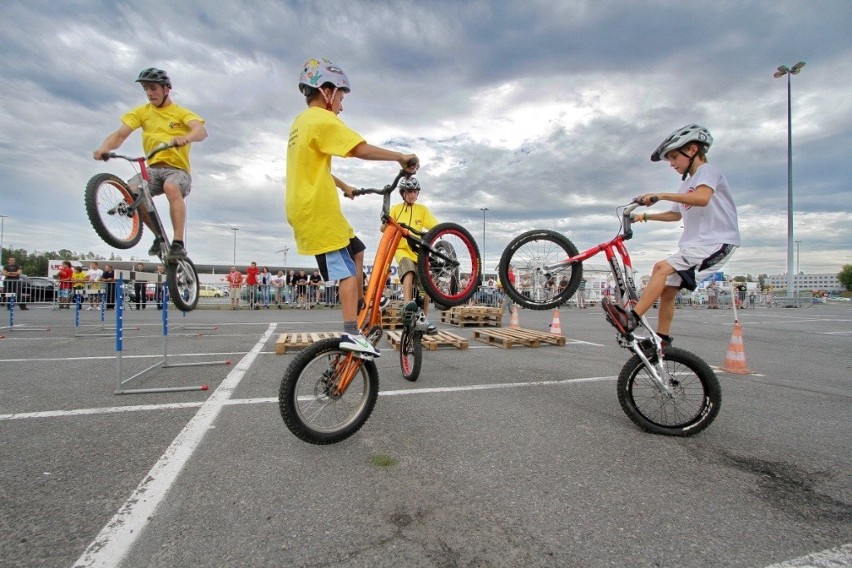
pixel 507 338
pixel 478 316
pixel 432 342
pixel 295 341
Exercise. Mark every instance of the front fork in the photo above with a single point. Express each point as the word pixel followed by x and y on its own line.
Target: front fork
pixel 656 370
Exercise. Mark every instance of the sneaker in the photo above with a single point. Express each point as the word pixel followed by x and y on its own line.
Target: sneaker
pixel 383 303
pixel 358 344
pixel 625 322
pixel 647 347
pixel 425 325
pixel 409 311
pixel 155 248
pixel 177 251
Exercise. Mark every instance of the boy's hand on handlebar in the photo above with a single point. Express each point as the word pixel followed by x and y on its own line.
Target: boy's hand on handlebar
pixel 347 190
pixel 647 200
pixel 99 154
pixel 409 163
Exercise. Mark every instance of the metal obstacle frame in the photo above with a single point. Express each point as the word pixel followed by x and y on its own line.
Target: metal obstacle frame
pixel 163 364
pixel 11 299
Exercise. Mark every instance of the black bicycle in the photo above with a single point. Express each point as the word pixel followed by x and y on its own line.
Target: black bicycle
pixel 114 211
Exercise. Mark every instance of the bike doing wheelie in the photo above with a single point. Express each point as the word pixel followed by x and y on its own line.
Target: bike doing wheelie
pixel 115 213
pixel 665 391
pixel 327 393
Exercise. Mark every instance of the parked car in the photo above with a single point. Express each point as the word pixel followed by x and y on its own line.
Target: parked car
pixel 35 289
pixel 210 291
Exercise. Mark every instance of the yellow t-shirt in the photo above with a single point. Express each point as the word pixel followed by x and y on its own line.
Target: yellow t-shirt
pixel 161 125
pixel 417 216
pixel 312 200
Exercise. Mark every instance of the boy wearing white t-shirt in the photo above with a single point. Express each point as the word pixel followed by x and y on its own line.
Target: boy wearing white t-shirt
pixel 705 206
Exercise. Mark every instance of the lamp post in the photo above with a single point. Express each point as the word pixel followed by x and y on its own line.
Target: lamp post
pixel 235 229
pixel 2 223
pixel 483 209
pixel 797 256
pixel 780 72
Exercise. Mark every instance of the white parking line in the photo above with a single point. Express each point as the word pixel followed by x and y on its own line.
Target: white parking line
pixel 117 537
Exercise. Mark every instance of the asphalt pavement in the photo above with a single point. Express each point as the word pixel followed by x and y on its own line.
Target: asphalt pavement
pixel 494 457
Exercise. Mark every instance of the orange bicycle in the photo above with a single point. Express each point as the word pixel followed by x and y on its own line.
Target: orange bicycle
pixel 328 393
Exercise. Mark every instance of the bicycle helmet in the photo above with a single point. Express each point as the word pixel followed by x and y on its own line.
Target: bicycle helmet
pixel 680 138
pixel 408 184
pixel 318 71
pixel 154 75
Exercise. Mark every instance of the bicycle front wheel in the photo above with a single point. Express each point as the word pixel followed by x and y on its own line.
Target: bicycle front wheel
pixel 692 406
pixel 449 267
pixel 410 353
pixel 540 283
pixel 310 404
pixel 183 284
pixel 108 201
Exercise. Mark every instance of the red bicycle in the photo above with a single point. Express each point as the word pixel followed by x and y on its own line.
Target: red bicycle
pixel 671 391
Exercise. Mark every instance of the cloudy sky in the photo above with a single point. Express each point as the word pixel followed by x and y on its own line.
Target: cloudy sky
pixel 544 112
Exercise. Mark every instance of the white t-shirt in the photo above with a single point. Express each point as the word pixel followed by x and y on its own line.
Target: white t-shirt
pixel 715 224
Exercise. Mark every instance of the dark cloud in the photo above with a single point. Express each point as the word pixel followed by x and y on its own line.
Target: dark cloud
pixel 544 112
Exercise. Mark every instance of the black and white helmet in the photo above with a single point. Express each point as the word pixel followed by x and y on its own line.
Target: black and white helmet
pixel 680 138
pixel 408 184
pixel 154 75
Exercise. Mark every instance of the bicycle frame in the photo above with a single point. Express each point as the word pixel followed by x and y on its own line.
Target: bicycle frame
pixel 144 197
pixel 621 267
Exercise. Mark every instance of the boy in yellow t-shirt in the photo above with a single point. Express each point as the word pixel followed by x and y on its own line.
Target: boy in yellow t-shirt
pixel 162 122
pixel 418 217
pixel 312 205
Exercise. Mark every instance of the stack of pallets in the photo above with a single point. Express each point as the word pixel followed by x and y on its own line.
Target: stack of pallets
pixel 473 316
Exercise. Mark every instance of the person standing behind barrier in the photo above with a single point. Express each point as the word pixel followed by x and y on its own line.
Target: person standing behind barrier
pixel 139 287
pixel 290 287
pixel 581 294
pixel 235 284
pixel 251 285
pixel 316 283
pixel 108 278
pixel 94 275
pixel 278 285
pixel 712 296
pixel 12 283
pixel 78 284
pixel 264 281
pixel 301 288
pixel 66 271
pixel 158 287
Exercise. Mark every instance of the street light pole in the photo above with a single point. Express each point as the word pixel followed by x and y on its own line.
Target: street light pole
pixel 2 224
pixel 797 256
pixel 235 229
pixel 483 209
pixel 780 72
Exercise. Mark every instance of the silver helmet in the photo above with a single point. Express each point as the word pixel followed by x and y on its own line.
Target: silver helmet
pixel 680 138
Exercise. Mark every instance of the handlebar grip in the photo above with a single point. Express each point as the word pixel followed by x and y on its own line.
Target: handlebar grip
pixel 413 162
pixel 106 156
pixel 654 199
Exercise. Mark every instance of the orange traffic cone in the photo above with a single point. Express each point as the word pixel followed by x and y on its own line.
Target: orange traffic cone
pixel 735 362
pixel 515 324
pixel 555 325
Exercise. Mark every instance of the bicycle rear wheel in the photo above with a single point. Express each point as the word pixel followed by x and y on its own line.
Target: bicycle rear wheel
pixel 108 201
pixel 410 353
pixel 183 284
pixel 451 271
pixel 309 404
pixel 695 402
pixel 535 256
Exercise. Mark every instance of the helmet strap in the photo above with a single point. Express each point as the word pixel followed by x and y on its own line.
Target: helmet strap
pixel 329 99
pixel 688 167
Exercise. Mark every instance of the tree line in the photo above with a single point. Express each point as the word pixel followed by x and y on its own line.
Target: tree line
pixel 35 263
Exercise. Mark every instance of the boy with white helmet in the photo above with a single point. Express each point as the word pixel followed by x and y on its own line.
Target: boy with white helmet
pixel 312 206
pixel 705 206
pixel 417 216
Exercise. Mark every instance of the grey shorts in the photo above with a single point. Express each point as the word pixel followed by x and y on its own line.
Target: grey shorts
pixel 161 175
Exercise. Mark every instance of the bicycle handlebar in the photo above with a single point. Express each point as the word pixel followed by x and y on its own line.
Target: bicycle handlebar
pixel 160 148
